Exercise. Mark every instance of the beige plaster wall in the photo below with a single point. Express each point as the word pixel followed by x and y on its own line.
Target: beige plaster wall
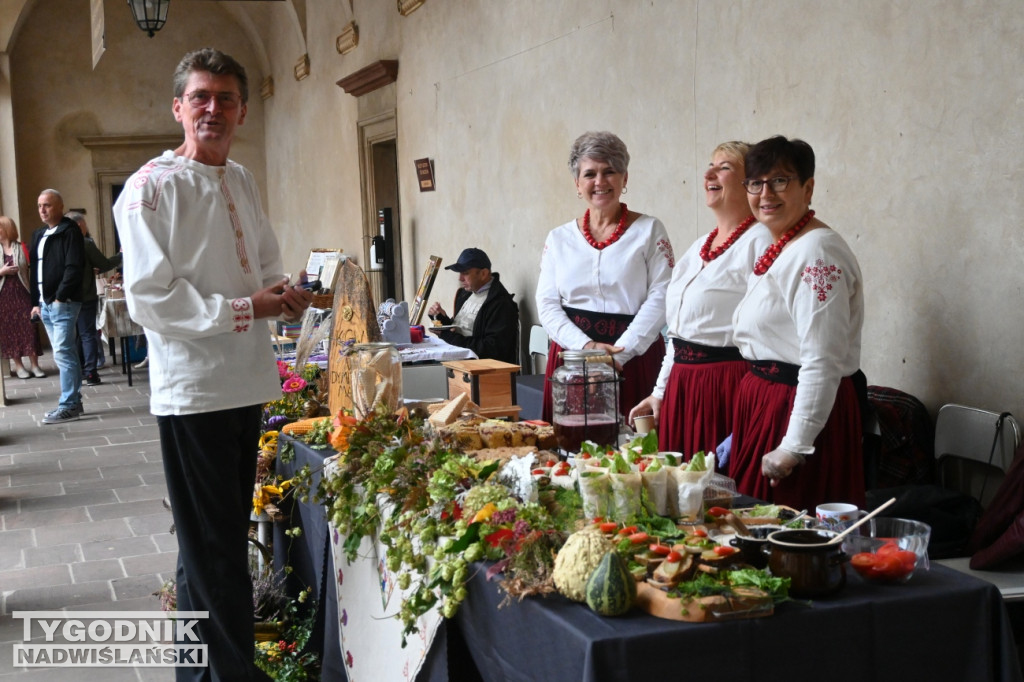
pixel 913 107
pixel 58 97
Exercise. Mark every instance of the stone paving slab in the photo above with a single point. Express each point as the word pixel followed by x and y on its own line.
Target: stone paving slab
pixel 79 533
pixel 104 569
pixel 50 555
pixel 49 517
pixel 124 547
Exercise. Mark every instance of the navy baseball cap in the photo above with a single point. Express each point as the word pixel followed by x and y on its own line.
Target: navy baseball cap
pixel 470 258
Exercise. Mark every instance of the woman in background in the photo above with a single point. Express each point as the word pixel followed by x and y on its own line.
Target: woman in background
pixel 797 424
pixel 603 275
pixel 693 400
pixel 18 336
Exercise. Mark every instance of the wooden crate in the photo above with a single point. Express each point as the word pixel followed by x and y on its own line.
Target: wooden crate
pixel 491 384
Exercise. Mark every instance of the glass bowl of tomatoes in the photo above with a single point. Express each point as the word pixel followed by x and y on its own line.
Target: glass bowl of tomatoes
pixel 888 550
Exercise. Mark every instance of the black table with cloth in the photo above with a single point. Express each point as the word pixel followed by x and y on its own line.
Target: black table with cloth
pixel 942 625
pixel 309 555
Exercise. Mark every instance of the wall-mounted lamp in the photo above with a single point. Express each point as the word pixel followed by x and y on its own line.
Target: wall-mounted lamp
pixel 150 15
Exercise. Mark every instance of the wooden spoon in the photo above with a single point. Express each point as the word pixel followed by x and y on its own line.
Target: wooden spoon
pixel 839 538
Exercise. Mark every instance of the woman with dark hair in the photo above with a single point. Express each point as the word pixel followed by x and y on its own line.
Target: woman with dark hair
pixel 693 399
pixel 603 275
pixel 797 420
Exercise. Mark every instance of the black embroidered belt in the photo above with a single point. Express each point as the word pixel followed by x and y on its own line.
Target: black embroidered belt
pixel 601 327
pixel 690 353
pixel 776 370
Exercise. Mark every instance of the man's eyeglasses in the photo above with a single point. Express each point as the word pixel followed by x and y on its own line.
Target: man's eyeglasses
pixel 776 184
pixel 200 99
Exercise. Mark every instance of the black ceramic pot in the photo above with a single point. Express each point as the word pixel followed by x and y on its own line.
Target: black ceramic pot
pixel 815 568
pixel 752 546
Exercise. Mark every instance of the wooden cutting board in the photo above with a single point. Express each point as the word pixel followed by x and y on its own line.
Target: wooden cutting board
pixel 704 609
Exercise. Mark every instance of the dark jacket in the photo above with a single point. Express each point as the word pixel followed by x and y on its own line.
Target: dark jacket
pixel 63 260
pixel 95 260
pixel 496 330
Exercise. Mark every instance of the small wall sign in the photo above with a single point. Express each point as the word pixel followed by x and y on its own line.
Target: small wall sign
pixel 425 174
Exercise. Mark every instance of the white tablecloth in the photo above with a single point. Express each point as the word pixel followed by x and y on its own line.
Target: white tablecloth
pixel 433 349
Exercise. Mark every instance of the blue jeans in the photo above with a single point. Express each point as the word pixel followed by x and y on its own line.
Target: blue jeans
pixel 88 337
pixel 59 320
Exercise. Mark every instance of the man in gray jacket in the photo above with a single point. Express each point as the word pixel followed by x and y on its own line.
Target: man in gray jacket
pixel 89 347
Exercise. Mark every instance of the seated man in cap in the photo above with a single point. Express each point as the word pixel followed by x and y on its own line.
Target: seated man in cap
pixel 486 318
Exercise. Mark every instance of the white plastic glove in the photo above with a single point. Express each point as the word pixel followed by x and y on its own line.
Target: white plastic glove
pixel 779 463
pixel 723 451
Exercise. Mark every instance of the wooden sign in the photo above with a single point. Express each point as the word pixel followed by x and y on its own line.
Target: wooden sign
pixel 355 321
pixel 425 174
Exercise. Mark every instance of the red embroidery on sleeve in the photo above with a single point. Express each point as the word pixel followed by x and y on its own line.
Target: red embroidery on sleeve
pixel 665 247
pixel 821 277
pixel 243 316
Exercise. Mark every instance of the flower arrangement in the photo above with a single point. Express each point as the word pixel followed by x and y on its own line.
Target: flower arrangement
pixel 436 510
pixel 302 395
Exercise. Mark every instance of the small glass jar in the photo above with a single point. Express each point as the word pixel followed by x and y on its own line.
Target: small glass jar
pixel 376 377
pixel 585 399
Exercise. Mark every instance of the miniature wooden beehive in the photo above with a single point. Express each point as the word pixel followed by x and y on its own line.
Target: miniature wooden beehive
pixel 491 384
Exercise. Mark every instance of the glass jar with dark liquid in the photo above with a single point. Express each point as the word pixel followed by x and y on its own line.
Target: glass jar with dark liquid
pixel 585 399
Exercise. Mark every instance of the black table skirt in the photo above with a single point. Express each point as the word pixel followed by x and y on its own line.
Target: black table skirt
pixel 309 555
pixel 942 625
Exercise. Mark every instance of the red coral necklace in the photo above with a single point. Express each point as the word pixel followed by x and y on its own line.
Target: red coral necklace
pixel 707 255
pixel 773 251
pixel 619 229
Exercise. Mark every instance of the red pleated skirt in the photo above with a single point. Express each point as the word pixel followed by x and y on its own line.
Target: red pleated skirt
pixel 697 411
pixel 639 376
pixel 834 473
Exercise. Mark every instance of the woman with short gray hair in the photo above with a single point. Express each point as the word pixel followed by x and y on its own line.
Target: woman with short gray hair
pixel 603 275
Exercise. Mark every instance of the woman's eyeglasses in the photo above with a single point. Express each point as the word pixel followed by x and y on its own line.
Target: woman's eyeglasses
pixel 776 184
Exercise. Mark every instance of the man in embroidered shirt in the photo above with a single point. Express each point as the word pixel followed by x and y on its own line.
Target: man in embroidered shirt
pixel 202 267
pixel 486 318
pixel 55 261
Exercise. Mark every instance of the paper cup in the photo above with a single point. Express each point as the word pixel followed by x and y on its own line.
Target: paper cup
pixel 642 425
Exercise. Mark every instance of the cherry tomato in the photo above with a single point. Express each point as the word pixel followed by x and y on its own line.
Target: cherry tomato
pixel 643 465
pixel 585 455
pixel 718 511
pixel 639 538
pixel 863 561
pixel 561 472
pixel 907 558
pixel 701 533
pixel 609 527
pixel 888 566
pixel 662 550
pixel 673 557
pixel 888 548
pixel 628 530
pixel 538 472
pixel 598 519
pixel 724 550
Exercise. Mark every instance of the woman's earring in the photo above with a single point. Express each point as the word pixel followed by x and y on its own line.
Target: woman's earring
pixel 623 189
pixel 579 195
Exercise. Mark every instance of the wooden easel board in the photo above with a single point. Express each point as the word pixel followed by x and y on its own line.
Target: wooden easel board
pixel 355 321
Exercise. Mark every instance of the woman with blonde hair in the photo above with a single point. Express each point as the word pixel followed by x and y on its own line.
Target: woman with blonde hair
pixel 692 402
pixel 18 336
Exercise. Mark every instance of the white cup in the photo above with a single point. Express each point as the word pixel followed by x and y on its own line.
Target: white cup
pixel 837 516
pixel 643 424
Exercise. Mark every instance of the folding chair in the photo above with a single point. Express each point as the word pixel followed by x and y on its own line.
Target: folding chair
pixel 538 349
pixel 973 449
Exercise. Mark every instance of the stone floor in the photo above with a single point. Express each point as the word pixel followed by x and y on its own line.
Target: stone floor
pixel 82 521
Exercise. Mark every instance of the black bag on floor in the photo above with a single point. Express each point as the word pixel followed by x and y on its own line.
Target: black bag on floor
pixel 951 515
